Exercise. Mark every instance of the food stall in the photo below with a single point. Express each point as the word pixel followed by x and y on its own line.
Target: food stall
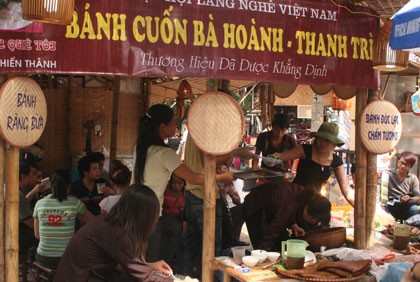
pixel 228 39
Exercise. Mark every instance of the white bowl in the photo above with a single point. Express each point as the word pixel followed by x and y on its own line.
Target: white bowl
pixel 261 254
pixel 310 258
pixel 250 261
pixel 273 256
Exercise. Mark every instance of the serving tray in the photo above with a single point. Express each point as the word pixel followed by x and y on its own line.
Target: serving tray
pixel 258 173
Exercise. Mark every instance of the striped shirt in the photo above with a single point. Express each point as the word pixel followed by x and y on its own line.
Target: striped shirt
pixel 56 223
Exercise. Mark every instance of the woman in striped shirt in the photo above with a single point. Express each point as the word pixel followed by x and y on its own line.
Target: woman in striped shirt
pixel 54 219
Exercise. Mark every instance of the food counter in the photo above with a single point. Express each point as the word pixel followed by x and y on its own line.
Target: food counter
pixel 255 274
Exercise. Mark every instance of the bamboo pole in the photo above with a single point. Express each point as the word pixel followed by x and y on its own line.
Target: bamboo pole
pixel 209 207
pixel 371 188
pixel 2 218
pixel 371 192
pixel 68 122
pixel 361 168
pixel 115 114
pixel 270 102
pixel 12 214
pixel 209 220
pixel 263 104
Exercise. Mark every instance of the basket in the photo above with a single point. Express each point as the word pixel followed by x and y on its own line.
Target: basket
pixel 330 238
pixel 49 11
pixel 385 58
pixel 408 105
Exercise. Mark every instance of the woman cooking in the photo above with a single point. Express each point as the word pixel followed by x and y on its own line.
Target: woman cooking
pixel 270 143
pixel 317 160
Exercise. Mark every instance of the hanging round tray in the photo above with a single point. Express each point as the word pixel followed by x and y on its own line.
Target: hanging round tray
pixel 216 123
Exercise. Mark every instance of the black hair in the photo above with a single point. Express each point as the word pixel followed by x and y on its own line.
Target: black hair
pixel 121 177
pixel 135 216
pixel 98 155
pixel 25 167
pixel 149 135
pixel 60 180
pixel 172 180
pixel 84 164
pixel 353 168
pixel 318 206
pixel 281 120
pixel 409 157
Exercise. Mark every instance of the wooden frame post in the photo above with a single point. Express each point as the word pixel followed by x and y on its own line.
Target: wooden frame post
pixel 209 219
pixel 12 214
pixel 371 187
pixel 115 114
pixel 2 217
pixel 361 169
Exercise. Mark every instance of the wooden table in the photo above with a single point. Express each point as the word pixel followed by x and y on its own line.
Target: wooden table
pixel 256 274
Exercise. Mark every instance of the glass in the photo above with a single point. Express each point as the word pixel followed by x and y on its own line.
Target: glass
pixel 100 187
pixel 238 253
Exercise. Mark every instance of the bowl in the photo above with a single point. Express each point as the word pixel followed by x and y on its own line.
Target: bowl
pixel 329 237
pixel 310 258
pixel 273 256
pixel 261 254
pixel 250 261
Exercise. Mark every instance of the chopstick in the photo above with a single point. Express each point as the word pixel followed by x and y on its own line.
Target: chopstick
pixel 270 264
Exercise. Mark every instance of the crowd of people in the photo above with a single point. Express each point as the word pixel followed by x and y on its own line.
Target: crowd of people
pixel 146 224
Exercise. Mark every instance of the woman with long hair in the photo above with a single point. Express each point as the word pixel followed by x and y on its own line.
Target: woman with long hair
pixel 54 219
pixel 154 164
pixel 119 237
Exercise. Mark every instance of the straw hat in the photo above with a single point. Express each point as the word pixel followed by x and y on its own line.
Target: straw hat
pixel 328 131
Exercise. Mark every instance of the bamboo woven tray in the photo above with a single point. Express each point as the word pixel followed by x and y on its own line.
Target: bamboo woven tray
pixel 288 275
pixel 216 123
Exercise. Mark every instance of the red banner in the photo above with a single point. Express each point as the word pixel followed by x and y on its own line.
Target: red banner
pixel 304 42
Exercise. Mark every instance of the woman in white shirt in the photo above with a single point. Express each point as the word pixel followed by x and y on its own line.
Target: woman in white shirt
pixel 154 164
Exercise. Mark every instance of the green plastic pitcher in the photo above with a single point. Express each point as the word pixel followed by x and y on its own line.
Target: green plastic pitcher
pixel 295 248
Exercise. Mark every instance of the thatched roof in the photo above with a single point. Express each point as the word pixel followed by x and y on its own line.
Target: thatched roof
pixel 385 8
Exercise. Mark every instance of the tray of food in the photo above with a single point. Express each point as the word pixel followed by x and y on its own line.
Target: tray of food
pixel 329 271
pixel 257 173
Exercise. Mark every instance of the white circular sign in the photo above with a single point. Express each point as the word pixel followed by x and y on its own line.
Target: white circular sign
pixel 23 112
pixel 380 127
